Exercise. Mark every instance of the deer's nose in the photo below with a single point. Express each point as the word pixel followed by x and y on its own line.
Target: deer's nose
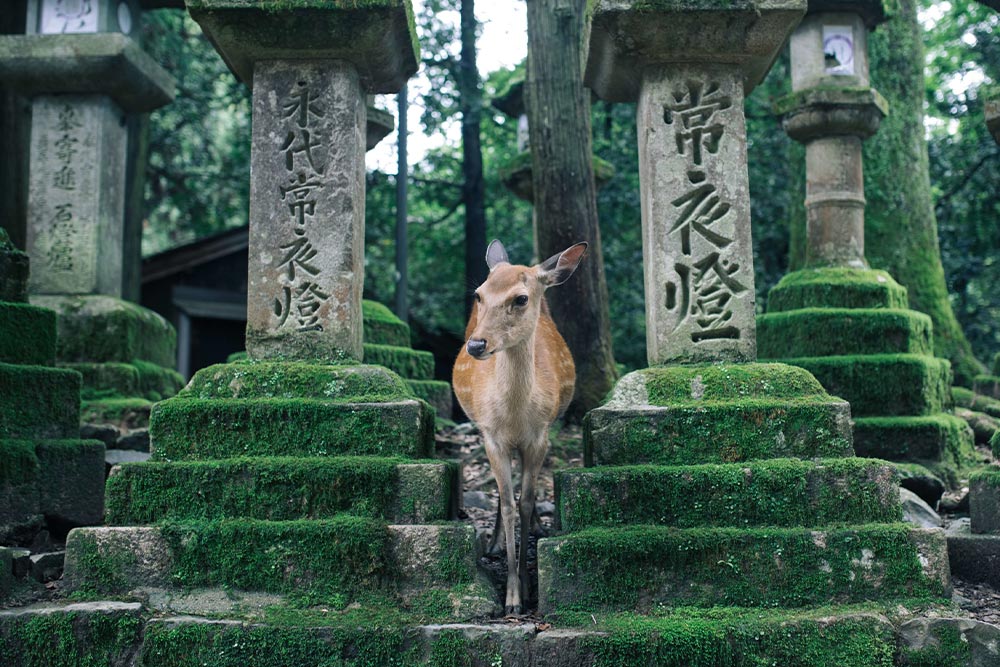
pixel 476 347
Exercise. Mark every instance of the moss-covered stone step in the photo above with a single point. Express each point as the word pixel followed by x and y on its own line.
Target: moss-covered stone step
pixel 821 332
pixel 987 385
pixel 940 437
pixel 39 402
pixel 969 399
pixel 641 568
pixel 117 380
pixel 884 384
pixel 716 413
pixel 779 492
pixel 81 633
pixel 974 557
pixel 382 327
pixel 836 288
pixel 62 480
pixel 984 500
pixel 332 561
pixel 192 428
pixel 411 364
pixel 435 392
pixel 281 489
pixel 130 413
pixel 27 334
pixel 103 328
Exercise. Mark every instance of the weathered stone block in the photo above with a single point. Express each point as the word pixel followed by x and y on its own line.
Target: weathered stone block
pixel 71 480
pixel 639 568
pixel 106 63
pixel 13 271
pixel 102 328
pixel 382 327
pixel 280 489
pixel 39 402
pixel 984 501
pixel 822 332
pixel 940 437
pixel 836 288
pixel 27 334
pixel 955 642
pixel 377 37
pixel 975 558
pixel 409 363
pixel 19 473
pixel 82 633
pixel 47 567
pixel 785 492
pixel 884 384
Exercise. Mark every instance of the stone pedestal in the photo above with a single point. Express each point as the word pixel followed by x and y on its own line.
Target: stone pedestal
pixel 678 456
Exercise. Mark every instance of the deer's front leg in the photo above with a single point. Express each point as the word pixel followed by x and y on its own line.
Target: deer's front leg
pixel 532 458
pixel 500 463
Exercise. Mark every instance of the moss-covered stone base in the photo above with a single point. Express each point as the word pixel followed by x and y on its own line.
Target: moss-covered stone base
pixel 640 568
pixel 836 288
pixel 129 413
pixel 716 413
pixel 382 327
pixel 103 328
pixel 436 392
pixel 987 385
pixel 984 500
pixel 27 334
pixel 39 402
pixel 140 379
pixel 779 492
pixel 941 438
pixel 281 489
pixel 821 332
pixel 969 399
pixel 334 561
pixel 885 384
pixel 95 634
pixel 409 363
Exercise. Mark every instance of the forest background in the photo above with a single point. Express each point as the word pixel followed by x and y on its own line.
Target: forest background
pixel 198 174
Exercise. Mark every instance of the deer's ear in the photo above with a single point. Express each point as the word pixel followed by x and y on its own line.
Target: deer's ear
pixel 558 268
pixel 496 254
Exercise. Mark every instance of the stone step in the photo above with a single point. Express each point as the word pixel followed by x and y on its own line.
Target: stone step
pixel 282 489
pixel 939 437
pixel 821 332
pixel 187 429
pixel 778 492
pixel 984 501
pixel 330 562
pixel 644 567
pixel 382 327
pixel 974 557
pixel 120 380
pixel 39 402
pixel 435 392
pixel 27 334
pixel 81 633
pixel 409 363
pixel 836 288
pixel 987 385
pixel 62 480
pixel 884 384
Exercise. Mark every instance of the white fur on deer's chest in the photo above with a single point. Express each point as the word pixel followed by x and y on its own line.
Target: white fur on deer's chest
pixel 513 424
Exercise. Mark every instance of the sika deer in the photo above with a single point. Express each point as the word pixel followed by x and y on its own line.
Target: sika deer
pixel 514 376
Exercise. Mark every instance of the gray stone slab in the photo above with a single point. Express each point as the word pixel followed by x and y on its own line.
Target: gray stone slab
pixel 694 190
pixel 104 63
pixel 929 637
pixel 307 209
pixel 76 195
pixel 376 37
pixel 628 35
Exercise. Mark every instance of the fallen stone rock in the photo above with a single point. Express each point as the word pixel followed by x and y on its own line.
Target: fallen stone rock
pixel 104 432
pixel 47 566
pixel 137 441
pixel 956 642
pixel 917 512
pixel 477 500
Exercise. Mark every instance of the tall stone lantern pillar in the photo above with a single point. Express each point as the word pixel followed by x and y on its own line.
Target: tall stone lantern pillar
pixel 847 324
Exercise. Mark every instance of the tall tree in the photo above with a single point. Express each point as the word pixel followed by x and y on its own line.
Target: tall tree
pixel 564 191
pixel 471 104
pixel 901 233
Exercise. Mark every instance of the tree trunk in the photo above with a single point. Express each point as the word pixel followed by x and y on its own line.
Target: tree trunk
pixel 900 226
pixel 471 104
pixel 564 192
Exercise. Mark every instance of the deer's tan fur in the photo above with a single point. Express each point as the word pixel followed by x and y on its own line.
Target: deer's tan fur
pixel 520 382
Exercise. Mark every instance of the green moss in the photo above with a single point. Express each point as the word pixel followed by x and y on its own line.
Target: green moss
pixel 968 399
pixel 133 412
pixel 106 380
pixel 987 385
pixel 289 380
pixel 995 445
pixel 436 392
pixel 382 327
pixel 39 402
pixel 27 334
pixel 939 437
pixel 222 428
pixel 821 332
pixel 278 489
pixel 18 462
pixel 945 648
pixel 781 492
pixel 718 432
pixel 13 271
pixel 995 365
pixel 825 96
pixel 157 382
pixel 70 639
pixel 704 384
pixel 836 288
pixel 638 568
pixel 884 384
pixel 237 356
pixel 411 364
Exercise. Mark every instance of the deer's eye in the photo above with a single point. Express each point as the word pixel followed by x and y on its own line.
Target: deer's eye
pixel 521 300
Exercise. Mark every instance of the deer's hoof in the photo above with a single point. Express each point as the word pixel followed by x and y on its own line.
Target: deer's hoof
pixel 512 610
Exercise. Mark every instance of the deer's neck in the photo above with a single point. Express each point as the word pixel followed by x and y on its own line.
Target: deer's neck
pixel 515 371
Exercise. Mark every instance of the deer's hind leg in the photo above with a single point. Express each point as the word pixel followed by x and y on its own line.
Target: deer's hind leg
pixel 532 458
